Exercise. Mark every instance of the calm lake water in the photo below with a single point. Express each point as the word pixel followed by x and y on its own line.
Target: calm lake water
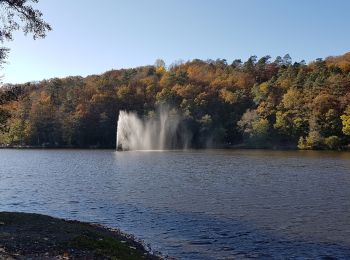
pixel 195 204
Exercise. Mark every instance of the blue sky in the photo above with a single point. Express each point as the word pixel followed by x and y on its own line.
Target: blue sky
pixel 91 37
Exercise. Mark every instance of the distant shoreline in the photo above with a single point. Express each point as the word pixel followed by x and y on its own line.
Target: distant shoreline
pixel 227 147
pixel 38 147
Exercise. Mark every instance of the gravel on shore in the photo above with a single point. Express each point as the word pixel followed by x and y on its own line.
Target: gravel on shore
pixel 35 236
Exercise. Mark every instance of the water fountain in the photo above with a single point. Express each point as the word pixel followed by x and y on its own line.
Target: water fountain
pixel 159 131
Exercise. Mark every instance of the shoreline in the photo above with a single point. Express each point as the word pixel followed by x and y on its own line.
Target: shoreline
pixel 30 235
pixel 228 147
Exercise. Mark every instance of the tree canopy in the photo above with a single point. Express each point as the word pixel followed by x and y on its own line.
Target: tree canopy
pixel 256 103
pixel 20 14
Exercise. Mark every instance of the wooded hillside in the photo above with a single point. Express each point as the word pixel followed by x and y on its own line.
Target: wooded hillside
pixel 256 103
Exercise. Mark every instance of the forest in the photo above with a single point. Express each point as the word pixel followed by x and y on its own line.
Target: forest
pixel 257 103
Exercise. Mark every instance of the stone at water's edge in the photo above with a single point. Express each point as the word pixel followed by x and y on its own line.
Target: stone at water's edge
pixel 26 235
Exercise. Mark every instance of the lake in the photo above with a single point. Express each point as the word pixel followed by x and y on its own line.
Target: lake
pixel 201 204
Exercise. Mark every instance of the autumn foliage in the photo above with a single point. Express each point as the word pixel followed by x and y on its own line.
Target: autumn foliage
pixel 257 103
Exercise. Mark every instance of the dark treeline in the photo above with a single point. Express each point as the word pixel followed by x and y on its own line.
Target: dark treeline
pixel 256 103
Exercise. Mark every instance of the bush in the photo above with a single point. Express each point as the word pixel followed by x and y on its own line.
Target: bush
pixel 313 141
pixel 333 142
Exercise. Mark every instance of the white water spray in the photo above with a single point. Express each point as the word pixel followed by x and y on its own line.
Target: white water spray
pixel 159 131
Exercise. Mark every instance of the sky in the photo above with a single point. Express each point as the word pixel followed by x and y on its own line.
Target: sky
pixel 91 37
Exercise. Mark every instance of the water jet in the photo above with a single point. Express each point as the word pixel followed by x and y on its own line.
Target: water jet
pixel 161 130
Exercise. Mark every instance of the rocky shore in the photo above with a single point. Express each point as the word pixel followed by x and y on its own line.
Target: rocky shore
pixel 35 236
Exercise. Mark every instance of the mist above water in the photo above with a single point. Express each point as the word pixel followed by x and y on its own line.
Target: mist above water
pixel 161 130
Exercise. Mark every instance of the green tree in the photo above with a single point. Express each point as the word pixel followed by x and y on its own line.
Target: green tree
pixel 16 15
pixel 346 121
pixel 255 129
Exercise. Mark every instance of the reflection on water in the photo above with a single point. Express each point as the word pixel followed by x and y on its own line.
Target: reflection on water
pixel 194 204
